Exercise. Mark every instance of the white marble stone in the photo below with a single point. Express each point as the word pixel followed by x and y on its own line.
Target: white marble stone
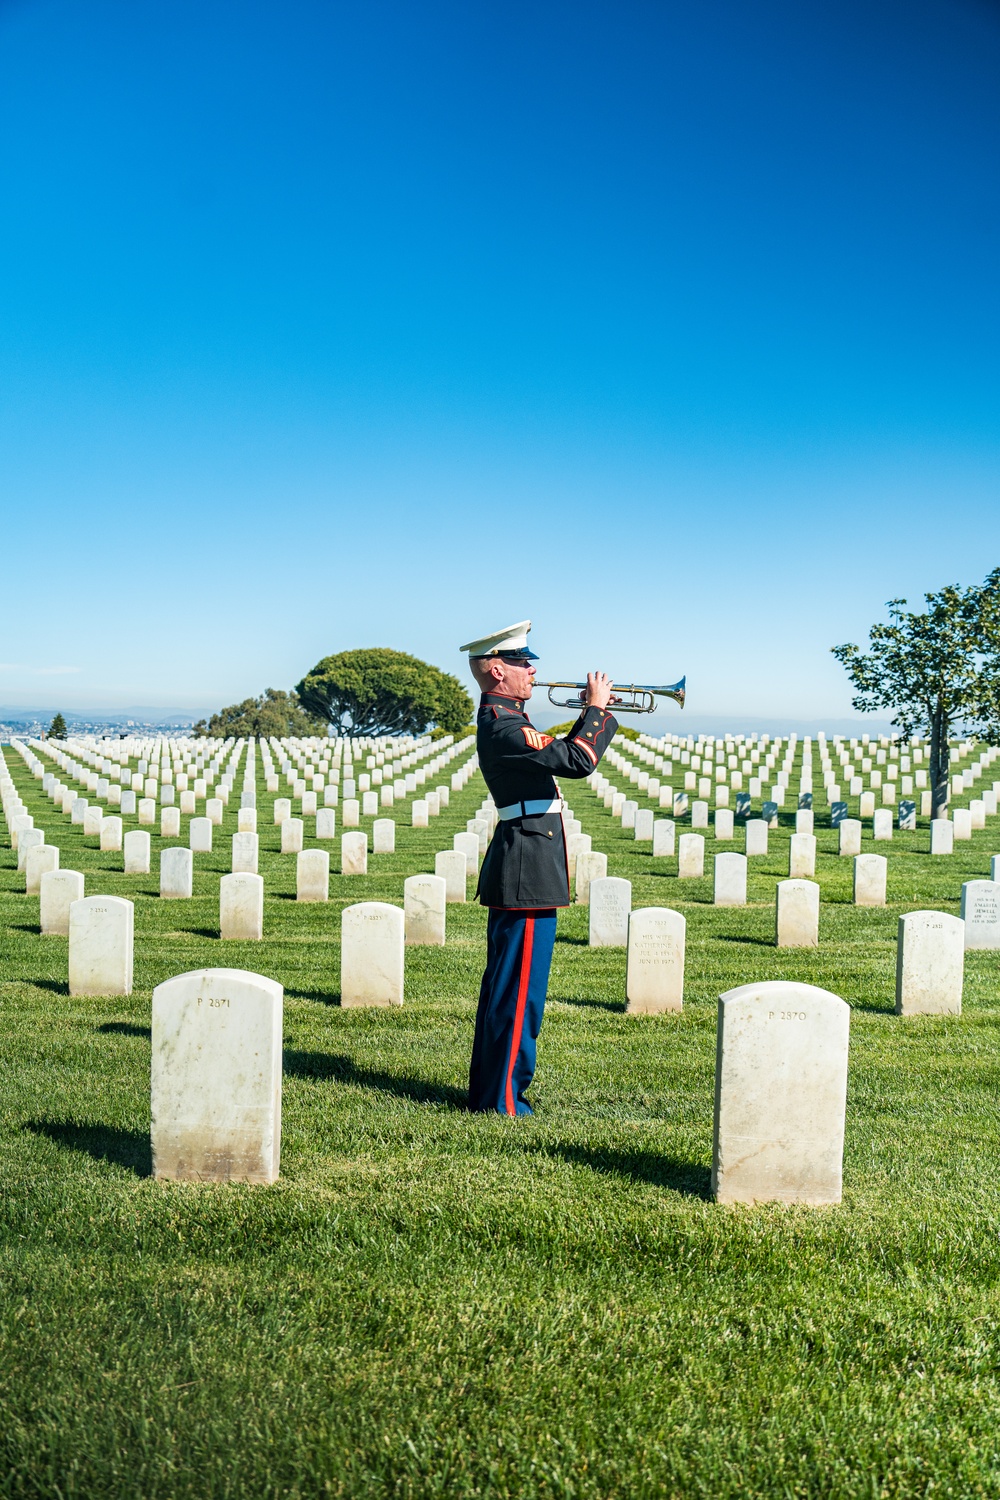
pixel 780 1094
pixel 170 823
pixel 419 816
pixel 383 836
pixel 147 811
pixel 962 821
pixel 980 911
pixel 57 891
pixel 241 907
pixel 371 954
pixel 870 877
pixel 350 812
pixel 354 854
pixel 654 975
pixel 942 836
pixel 28 838
pixel 610 905
pixel 216 1077
pixel 111 834
pixel 453 868
pixel 292 834
pixel 930 963
pixel 312 875
pixel 136 850
pixel 213 811
pixel 691 856
pixel 78 811
pixel 589 867
pixel 92 820
pixel 200 836
pixel 424 898
pixel 802 856
pixel 189 804
pixel 730 886
pixel 724 823
pixel 246 849
pixel 796 914
pixel 664 838
pixel 643 824
pixel 176 873
pixel 282 809
pixel 756 836
pixel 577 844
pixel 804 820
pixel 38 862
pixel 326 823
pixel 100 946
pixel 850 838
pixel 699 815
pixel 468 843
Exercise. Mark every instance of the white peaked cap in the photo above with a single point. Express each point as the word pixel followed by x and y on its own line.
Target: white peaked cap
pixel 511 638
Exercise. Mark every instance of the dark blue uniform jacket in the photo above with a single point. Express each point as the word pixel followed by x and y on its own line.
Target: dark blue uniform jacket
pixel 525 864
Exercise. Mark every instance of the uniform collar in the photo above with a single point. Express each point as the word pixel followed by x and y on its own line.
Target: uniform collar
pixel 500 700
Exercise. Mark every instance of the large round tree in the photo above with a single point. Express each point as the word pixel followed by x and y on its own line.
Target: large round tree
pixel 378 691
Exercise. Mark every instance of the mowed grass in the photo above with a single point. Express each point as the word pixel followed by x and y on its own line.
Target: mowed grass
pixel 432 1303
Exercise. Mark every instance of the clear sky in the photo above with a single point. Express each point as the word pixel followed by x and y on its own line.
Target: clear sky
pixel 672 326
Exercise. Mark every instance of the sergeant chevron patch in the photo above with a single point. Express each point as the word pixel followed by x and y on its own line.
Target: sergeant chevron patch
pixel 535 740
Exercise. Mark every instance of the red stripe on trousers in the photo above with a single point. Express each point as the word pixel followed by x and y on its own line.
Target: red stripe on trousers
pixel 522 998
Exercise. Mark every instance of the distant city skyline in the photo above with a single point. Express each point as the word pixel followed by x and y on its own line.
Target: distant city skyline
pixel 670 327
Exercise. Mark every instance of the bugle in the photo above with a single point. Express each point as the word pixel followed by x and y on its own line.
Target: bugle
pixel 636 698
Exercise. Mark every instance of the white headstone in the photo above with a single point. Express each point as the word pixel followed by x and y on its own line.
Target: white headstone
pixel 942 836
pixel 664 837
pixel 93 818
pixel 241 907
pixel 796 914
pixel 326 823
pixel 691 858
pixel 724 823
pixel 216 1077
pixel 756 836
pixel 200 835
pixel 292 832
pixel 802 856
pixel 654 975
pixel 100 946
pixel 354 857
pixel 147 811
pixel 780 1094
pixel 419 812
pixel 136 845
pixel 453 868
pixel 170 823
pixel 730 880
pixel 962 821
pixel 469 845
pixel 40 861
pixel 246 820
pixel 383 836
pixel 111 834
pixel 930 963
pixel 312 875
pixel 30 838
pixel 57 891
pixel 610 905
pixel 589 867
pixel 282 809
pixel 371 954
pixel 699 815
pixel 246 847
pixel 643 824
pixel 870 876
pixel 980 911
pixel 850 837
pixel 176 873
pixel 424 898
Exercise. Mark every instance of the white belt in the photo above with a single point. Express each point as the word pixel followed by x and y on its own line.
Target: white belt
pixel 535 809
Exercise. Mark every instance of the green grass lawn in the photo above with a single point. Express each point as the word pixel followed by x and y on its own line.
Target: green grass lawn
pixel 431 1303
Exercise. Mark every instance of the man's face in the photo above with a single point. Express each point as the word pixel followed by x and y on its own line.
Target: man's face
pixel 515 679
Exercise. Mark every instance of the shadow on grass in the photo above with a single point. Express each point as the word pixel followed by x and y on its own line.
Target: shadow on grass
pixel 573 942
pixel 687 1177
pixel 586 1002
pixel 124 1028
pixel 323 1066
pixel 57 986
pixel 204 932
pixel 721 937
pixel 31 927
pixel 124 1148
pixel 322 997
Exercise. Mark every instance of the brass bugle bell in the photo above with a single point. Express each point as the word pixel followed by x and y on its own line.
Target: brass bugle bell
pixel 636 698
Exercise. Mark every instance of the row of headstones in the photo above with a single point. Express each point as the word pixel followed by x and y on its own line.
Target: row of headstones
pixel 797 908
pixel 780 1088
pixel 378 783
pixel 145 786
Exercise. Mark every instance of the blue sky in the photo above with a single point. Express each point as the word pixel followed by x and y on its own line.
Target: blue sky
pixel 670 326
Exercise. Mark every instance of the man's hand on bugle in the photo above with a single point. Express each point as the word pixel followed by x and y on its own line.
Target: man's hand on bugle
pixel 599 687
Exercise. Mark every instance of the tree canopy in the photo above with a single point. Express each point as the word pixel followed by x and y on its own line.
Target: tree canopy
pixel 937 670
pixel 379 691
pixel 275 712
pixel 57 729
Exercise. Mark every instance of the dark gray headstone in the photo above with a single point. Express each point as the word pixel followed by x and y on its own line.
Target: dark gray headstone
pixel 838 812
pixel 908 816
pixel 743 804
pixel 805 801
pixel 769 812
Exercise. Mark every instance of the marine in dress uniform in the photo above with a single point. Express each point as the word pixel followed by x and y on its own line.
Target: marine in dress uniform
pixel 525 875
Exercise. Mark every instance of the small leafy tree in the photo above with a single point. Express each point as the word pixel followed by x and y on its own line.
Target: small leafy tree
pixel 379 691
pixel 57 729
pixel 937 670
pixel 275 712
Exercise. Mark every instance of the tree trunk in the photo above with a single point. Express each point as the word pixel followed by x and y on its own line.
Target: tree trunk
pixel 940 760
